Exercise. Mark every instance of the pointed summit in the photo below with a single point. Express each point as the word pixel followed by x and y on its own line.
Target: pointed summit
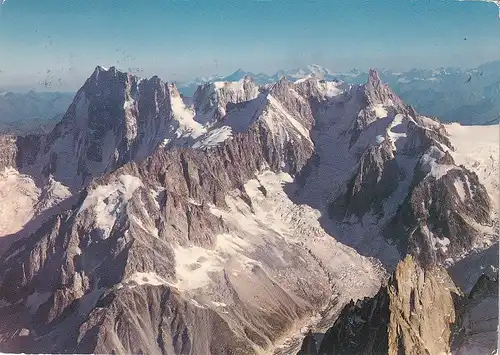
pixel 280 86
pixel 100 68
pixel 237 75
pixel 374 79
pixel 130 114
pixel 380 93
pixel 110 78
pixel 399 316
pixel 283 80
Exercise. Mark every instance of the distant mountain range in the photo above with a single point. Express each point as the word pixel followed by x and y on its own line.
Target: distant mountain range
pixel 32 111
pixel 451 94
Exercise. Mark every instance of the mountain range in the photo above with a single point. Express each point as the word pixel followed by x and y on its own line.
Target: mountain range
pixel 234 220
pixel 32 112
pixel 452 94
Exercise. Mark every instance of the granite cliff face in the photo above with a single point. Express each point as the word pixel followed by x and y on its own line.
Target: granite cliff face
pixel 443 211
pixel 148 222
pixel 419 311
pixel 477 328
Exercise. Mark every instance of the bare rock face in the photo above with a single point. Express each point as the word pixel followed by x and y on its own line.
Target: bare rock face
pixel 170 325
pixel 7 151
pixel 477 329
pixel 115 118
pixel 212 101
pixel 19 151
pixel 309 345
pixel 413 314
pixel 439 218
pixel 375 181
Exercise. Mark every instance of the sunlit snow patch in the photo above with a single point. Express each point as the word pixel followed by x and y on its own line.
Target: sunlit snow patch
pixel 459 186
pixel 331 89
pixel 429 163
pixel 478 155
pixel 195 264
pixel 18 197
pixel 301 80
pixel 185 117
pixel 397 129
pixel 145 278
pixel 380 111
pixel 107 202
pixel 214 137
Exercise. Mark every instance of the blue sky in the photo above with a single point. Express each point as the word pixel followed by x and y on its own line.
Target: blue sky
pixel 61 41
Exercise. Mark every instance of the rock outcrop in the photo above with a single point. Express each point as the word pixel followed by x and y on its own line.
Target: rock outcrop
pixel 413 314
pixel 476 332
pixel 443 214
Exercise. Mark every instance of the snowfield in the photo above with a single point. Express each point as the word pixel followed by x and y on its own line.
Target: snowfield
pixel 18 196
pixel 477 148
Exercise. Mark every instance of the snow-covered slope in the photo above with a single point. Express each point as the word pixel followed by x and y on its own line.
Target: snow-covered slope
pixel 477 148
pixel 18 196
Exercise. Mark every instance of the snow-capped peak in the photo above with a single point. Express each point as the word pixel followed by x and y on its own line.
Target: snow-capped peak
pixel 101 68
pixel 318 70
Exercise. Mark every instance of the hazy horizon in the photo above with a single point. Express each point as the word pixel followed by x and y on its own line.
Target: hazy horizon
pixel 56 89
pixel 58 43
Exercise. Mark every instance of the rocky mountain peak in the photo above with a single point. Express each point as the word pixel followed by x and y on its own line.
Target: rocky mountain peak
pixel 211 100
pixel 374 80
pixel 281 86
pixel 379 93
pixel 111 78
pixel 115 117
pixel 419 311
pixel 413 314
